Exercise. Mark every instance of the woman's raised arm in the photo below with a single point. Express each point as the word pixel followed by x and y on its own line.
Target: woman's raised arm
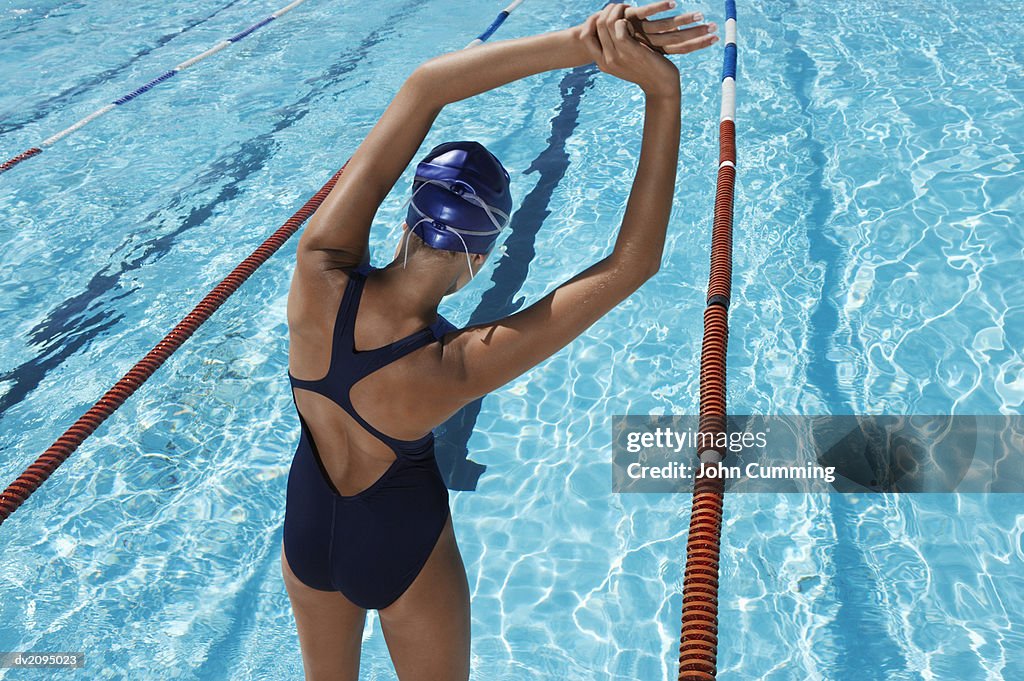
pixel 339 230
pixel 486 356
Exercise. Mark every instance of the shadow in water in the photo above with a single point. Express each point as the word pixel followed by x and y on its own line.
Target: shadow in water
pixel 862 628
pixel 825 331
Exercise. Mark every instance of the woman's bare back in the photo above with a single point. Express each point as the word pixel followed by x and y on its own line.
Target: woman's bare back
pixel 390 398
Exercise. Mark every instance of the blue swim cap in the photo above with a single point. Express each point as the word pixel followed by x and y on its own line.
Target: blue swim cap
pixel 461 199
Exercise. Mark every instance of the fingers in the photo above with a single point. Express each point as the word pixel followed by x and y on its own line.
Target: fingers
pixel 671 23
pixel 668 35
pixel 628 41
pixel 605 31
pixel 691 44
pixel 687 39
pixel 619 30
pixel 648 10
pixel 637 33
pixel 627 46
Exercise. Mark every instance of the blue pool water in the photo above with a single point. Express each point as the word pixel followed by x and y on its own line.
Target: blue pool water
pixel 878 270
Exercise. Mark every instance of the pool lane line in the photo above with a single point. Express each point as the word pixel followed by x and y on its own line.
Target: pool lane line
pixel 58 101
pixel 124 99
pixel 496 24
pixel 44 466
pixel 698 639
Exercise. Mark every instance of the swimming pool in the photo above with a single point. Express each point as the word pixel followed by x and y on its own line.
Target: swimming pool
pixel 877 253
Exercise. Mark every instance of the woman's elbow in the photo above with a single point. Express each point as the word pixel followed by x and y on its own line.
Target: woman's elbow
pixel 631 279
pixel 628 275
pixel 643 271
pixel 649 271
pixel 424 83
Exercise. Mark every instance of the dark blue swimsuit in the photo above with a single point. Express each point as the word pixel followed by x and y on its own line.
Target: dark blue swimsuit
pixel 369 546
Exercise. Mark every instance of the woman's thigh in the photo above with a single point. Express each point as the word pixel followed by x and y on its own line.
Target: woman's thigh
pixel 427 628
pixel 330 629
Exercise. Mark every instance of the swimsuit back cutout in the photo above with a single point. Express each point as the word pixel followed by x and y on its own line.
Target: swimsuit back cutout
pixel 348 365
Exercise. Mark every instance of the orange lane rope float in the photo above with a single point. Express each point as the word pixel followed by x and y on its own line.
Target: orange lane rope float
pixel 698 646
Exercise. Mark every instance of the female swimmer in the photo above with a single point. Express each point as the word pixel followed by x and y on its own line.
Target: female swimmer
pixel 374 368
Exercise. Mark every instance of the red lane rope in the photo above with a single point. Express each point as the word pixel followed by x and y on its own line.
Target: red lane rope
pixel 698 644
pixel 36 474
pixel 11 162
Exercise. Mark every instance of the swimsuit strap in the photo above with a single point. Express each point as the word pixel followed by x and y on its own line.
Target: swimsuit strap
pixel 367 361
pixel 349 366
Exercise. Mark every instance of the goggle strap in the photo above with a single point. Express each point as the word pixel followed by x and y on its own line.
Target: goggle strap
pixel 488 209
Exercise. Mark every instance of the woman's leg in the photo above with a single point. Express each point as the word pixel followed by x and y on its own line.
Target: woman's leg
pixel 330 629
pixel 427 628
